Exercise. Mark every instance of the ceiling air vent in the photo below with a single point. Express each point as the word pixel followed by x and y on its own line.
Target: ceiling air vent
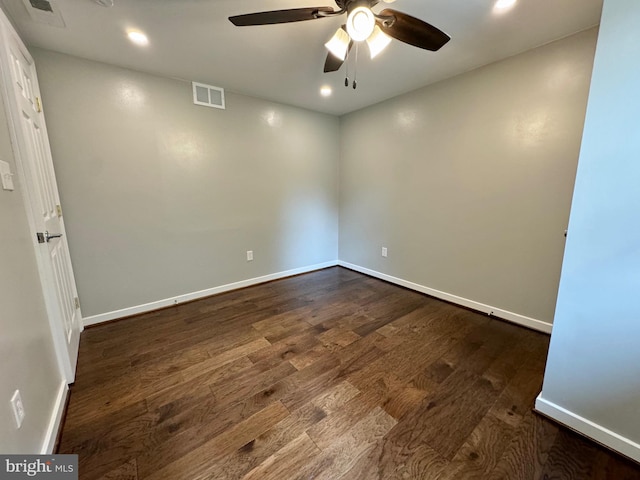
pixel 44 11
pixel 208 95
pixel 43 5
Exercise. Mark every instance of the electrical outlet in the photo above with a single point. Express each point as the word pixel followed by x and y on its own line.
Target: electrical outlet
pixel 384 251
pixel 249 255
pixel 18 408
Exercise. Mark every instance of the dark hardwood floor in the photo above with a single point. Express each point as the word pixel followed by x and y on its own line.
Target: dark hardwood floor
pixel 329 375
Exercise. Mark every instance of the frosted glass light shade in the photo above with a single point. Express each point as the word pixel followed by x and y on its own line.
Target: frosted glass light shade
pixel 339 44
pixel 377 41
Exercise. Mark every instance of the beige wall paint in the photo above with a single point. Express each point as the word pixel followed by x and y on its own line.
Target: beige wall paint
pixel 26 347
pixel 468 182
pixel 163 197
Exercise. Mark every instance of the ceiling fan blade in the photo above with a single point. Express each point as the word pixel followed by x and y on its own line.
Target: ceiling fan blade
pixel 279 16
pixel 413 31
pixel 333 63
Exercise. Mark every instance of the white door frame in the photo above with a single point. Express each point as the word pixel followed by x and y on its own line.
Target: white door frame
pixel 20 151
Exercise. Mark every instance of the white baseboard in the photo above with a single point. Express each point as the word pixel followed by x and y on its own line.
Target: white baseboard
pixel 528 322
pixel 53 428
pixel 147 307
pixel 586 427
pixel 489 310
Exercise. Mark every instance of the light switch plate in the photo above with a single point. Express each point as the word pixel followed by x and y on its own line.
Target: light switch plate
pixel 6 176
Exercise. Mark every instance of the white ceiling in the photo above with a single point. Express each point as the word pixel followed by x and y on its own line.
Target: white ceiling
pixel 193 40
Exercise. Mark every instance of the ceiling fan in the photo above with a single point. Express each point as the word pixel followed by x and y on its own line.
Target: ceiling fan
pixel 362 25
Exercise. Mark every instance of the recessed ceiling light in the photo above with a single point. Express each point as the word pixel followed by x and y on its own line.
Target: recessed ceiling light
pixel 326 91
pixel 503 5
pixel 138 37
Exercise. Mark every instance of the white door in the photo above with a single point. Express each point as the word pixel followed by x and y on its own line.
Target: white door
pixel 35 169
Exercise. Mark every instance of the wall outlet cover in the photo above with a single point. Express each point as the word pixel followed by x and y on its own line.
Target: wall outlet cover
pixel 18 408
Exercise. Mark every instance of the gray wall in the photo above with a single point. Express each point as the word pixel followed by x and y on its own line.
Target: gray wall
pixel 163 197
pixel 468 182
pixel 26 348
pixel 593 369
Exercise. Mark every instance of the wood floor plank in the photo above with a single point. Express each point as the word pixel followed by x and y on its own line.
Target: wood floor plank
pixel 431 422
pixel 252 454
pixel 283 328
pixel 384 311
pixel 287 348
pixel 337 424
pixel 405 399
pixel 77 433
pixel 528 450
pixel 287 462
pixel 198 384
pixel 220 360
pixel 331 374
pixel 91 404
pixel 251 382
pixel 311 356
pixel 187 430
pixel 259 450
pixel 300 386
pixel 337 337
pixel 197 463
pixel 399 457
pixel 127 471
pixel 345 452
pixel 332 399
pixel 115 446
pixel 481 452
pixel 586 463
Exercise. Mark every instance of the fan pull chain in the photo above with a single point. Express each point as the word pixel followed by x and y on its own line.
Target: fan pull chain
pixel 346 78
pixel 355 69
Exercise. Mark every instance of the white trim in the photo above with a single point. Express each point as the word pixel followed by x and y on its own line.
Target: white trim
pixel 528 322
pixel 590 429
pixel 147 307
pixel 51 434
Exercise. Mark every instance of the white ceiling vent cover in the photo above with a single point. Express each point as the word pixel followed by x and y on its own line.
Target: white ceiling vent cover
pixel 208 95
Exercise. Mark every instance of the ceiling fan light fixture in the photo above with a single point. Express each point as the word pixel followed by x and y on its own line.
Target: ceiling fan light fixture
pixel 360 23
pixel 377 41
pixel 339 44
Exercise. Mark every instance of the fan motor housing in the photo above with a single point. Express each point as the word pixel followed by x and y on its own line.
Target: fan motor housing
pixel 349 5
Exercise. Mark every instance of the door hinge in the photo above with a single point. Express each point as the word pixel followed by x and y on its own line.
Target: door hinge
pixel 38 106
pixel 59 210
pixel 76 302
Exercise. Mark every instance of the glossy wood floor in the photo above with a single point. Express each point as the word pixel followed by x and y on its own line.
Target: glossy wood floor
pixel 329 375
